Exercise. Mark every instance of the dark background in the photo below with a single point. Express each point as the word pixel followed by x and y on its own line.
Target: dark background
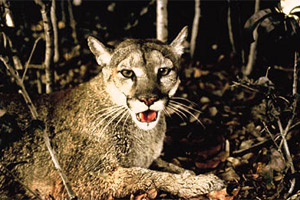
pixel 93 17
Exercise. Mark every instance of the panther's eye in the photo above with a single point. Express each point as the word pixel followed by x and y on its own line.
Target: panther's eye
pixel 164 71
pixel 127 73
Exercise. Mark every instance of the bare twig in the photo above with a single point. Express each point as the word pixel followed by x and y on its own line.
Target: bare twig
pixel 13 52
pixel 38 82
pixel 162 20
pixel 19 82
pixel 35 116
pixel 286 130
pixel 49 52
pixel 252 54
pixel 287 154
pixel 229 24
pixel 63 176
pixel 295 125
pixel 63 14
pixel 72 22
pixel 30 56
pixel 295 72
pixel 255 147
pixel 244 86
pixel 271 135
pixel 195 27
pixel 36 66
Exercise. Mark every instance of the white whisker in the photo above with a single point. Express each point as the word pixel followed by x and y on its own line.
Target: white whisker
pixel 104 109
pixel 128 115
pixel 117 114
pixel 124 114
pixel 184 99
pixel 185 109
pixel 185 106
pixel 108 114
pixel 178 112
pixel 167 112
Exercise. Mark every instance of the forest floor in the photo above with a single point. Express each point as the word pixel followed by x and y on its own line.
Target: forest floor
pixel 237 137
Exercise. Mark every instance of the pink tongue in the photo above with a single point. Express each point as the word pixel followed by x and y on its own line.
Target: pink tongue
pixel 147 116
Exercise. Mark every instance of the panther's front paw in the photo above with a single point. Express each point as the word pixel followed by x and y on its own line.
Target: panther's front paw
pixel 193 186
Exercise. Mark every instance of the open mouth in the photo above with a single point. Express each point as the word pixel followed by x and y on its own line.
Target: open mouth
pixel 147 116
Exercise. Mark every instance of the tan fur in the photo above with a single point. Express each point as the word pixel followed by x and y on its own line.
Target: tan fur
pixel 103 147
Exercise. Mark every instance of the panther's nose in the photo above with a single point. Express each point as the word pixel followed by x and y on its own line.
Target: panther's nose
pixel 148 101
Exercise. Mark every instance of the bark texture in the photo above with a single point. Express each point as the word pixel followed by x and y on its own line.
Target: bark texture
pixel 162 20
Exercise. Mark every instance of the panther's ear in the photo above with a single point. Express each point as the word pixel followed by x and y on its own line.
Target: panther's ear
pixel 102 53
pixel 177 44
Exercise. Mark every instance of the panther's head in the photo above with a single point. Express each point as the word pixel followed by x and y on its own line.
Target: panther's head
pixel 141 75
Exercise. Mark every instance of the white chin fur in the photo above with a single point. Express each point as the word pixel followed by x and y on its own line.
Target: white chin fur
pixel 145 125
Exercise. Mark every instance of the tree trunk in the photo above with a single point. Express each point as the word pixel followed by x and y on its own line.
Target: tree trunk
pixel 195 27
pixel 55 32
pixel 72 22
pixel 49 37
pixel 162 20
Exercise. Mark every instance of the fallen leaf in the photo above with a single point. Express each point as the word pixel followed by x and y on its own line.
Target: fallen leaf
pixel 197 73
pixel 204 100
pixel 235 162
pixel 213 111
pixel 220 195
pixel 2 112
pixel 230 175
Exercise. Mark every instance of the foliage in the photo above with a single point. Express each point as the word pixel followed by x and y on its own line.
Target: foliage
pixel 276 32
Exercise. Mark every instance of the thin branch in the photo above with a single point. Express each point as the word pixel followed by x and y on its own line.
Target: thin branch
pixel 295 71
pixel 195 27
pixel 19 82
pixel 13 52
pixel 255 147
pixel 63 176
pixel 271 135
pixel 295 125
pixel 72 22
pixel 30 56
pixel 229 24
pixel 63 14
pixel 35 116
pixel 287 154
pixel 244 86
pixel 252 54
pixel 285 131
